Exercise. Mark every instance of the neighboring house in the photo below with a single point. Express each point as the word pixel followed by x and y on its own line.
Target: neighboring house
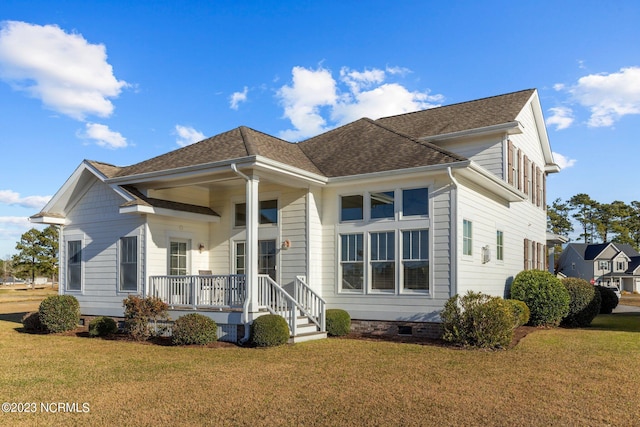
pixel 385 219
pixel 614 265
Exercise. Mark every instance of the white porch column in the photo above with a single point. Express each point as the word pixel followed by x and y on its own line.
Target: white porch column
pixel 252 242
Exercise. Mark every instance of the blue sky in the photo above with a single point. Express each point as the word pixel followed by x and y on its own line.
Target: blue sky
pixel 121 82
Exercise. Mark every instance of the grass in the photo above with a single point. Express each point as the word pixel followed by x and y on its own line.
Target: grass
pixel 630 299
pixel 553 377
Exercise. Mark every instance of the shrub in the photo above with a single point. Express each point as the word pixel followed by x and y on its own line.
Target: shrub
pixel 31 322
pixel 584 304
pixel 520 311
pixel 544 294
pixel 478 320
pixel 338 322
pixel 194 328
pixel 269 330
pixel 59 313
pixel 609 300
pixel 102 326
pixel 139 312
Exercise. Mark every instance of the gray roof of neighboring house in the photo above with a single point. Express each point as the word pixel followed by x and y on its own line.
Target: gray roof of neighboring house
pixel 363 146
pixel 469 115
pixel 589 251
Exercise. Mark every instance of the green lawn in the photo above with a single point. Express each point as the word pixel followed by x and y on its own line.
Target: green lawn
pixel 553 377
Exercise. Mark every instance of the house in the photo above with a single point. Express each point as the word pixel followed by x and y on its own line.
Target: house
pixel 614 265
pixel 384 218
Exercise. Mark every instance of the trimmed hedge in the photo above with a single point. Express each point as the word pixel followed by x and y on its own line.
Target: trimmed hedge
pixel 269 330
pixel 59 313
pixel 102 326
pixel 31 322
pixel 521 312
pixel 544 294
pixel 609 300
pixel 478 320
pixel 338 322
pixel 194 328
pixel 585 302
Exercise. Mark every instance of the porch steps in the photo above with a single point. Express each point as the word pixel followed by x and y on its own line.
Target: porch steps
pixel 306 330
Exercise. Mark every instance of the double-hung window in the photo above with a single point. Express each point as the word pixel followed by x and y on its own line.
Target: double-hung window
pixel 178 258
pixel 267 214
pixel 351 262
pixel 129 263
pixel 467 237
pixel 383 261
pixel 74 265
pixel 499 245
pixel 415 260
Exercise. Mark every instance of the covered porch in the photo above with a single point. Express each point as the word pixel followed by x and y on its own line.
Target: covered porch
pixel 304 311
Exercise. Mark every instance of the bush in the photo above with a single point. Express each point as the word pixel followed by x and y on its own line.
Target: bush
pixel 584 304
pixel 544 294
pixel 520 311
pixel 338 322
pixel 269 330
pixel 478 320
pixel 102 326
pixel 609 300
pixel 31 322
pixel 59 313
pixel 139 312
pixel 194 328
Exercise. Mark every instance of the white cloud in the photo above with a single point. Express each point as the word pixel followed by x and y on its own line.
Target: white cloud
pixel 9 197
pixel 238 97
pixel 315 102
pixel 66 72
pixel 561 117
pixel 103 136
pixel 188 135
pixel 609 97
pixel 563 161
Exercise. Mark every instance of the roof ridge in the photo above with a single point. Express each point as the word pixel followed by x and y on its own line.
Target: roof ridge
pixel 458 103
pixel 417 141
pixel 248 145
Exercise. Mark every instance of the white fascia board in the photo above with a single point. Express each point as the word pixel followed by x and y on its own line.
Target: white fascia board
pixel 47 220
pixel 510 128
pixel 282 168
pixel 550 166
pixel 492 183
pixel 383 175
pixel 148 210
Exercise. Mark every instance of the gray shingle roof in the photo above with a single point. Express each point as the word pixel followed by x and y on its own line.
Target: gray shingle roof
pixel 365 146
pixel 476 114
pixel 237 143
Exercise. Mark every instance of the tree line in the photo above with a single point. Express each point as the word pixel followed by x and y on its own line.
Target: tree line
pixel 598 222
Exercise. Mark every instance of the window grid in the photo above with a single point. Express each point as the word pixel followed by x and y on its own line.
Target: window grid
pixel 74 265
pixel 499 245
pixel 351 261
pixel 129 263
pixel 415 259
pixel 467 237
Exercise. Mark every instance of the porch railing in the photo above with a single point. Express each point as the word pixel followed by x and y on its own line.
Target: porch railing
pixel 276 300
pixel 212 291
pixel 313 304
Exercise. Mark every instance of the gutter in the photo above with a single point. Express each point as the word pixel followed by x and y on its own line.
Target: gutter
pixel 245 306
pixel 453 232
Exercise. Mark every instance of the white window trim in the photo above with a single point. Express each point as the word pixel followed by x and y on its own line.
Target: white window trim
pixel 119 290
pixel 74 237
pixel 403 290
pixel 340 289
pixel 498 260
pixel 370 261
pixel 264 197
pixel 400 197
pixel 464 255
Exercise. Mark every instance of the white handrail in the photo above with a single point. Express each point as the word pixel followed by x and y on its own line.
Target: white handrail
pixel 276 300
pixel 314 304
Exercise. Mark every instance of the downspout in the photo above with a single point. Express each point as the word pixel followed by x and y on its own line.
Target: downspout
pixel 245 306
pixel 454 233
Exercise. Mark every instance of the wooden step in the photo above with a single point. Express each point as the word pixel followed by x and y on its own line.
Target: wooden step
pixel 310 336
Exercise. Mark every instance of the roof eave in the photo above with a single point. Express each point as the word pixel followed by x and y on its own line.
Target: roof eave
pixel 492 183
pixel 150 210
pixel 511 128
pixel 397 172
